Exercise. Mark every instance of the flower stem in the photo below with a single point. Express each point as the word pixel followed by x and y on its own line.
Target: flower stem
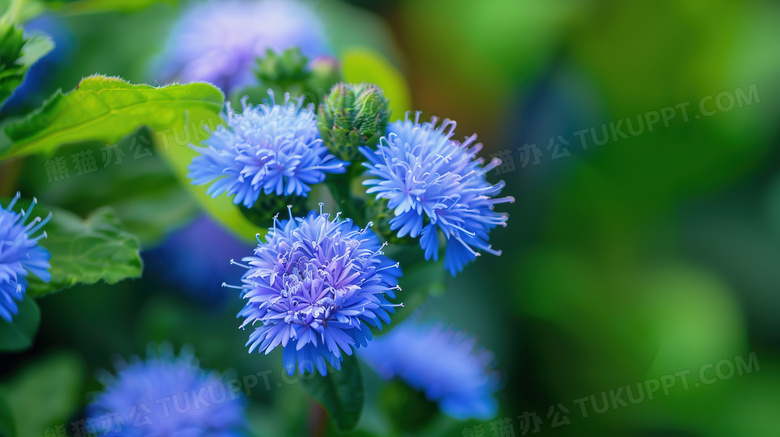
pixel 319 420
pixel 340 187
pixel 9 172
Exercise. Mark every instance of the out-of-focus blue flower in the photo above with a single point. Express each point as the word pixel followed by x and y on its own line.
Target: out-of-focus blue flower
pixel 164 396
pixel 443 363
pixel 19 254
pixel 218 41
pixel 271 148
pixel 432 183
pixel 193 260
pixel 316 285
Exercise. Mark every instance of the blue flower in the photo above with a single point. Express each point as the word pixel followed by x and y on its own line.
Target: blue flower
pixel 273 148
pixel 166 396
pixel 219 41
pixel 444 364
pixel 432 183
pixel 19 254
pixel 316 285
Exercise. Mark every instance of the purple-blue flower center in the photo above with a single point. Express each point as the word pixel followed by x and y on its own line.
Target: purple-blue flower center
pixel 316 285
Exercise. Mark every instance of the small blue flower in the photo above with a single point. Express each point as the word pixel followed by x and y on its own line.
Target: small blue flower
pixel 316 285
pixel 432 183
pixel 219 41
pixel 166 396
pixel 444 364
pixel 273 148
pixel 19 254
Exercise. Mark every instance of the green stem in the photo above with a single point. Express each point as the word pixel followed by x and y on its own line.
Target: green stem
pixel 340 187
pixel 9 175
pixel 319 420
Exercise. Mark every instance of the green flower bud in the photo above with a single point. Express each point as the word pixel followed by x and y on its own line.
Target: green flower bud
pixel 282 69
pixel 352 116
pixel 290 72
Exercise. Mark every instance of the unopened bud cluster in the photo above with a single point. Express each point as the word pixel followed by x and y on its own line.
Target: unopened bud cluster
pixel 352 116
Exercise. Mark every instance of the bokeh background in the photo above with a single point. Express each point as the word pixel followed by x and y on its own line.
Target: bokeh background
pixel 634 258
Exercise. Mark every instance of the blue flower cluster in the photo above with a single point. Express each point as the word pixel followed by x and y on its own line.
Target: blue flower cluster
pixel 316 284
pixel 271 148
pixel 434 183
pixel 20 254
pixel 445 364
pixel 167 395
pixel 219 41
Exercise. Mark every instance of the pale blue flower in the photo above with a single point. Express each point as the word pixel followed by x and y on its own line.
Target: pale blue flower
pixel 167 396
pixel 273 148
pixel 219 41
pixel 443 363
pixel 434 183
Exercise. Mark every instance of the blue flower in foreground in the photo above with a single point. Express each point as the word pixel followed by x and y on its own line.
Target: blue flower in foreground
pixel 433 183
pixel 316 285
pixel 443 363
pixel 19 254
pixel 273 148
pixel 166 396
pixel 219 41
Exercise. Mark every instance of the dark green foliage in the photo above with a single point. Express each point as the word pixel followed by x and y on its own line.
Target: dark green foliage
pixel 17 55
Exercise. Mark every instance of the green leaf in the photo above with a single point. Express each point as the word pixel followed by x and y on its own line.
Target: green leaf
pixel 106 109
pixel 21 11
pixel 147 196
pixel 151 211
pixel 366 65
pixel 19 334
pixel 17 55
pixel 98 6
pixel 34 49
pixel 7 424
pixel 87 251
pixel 45 393
pixel 32 8
pixel 341 392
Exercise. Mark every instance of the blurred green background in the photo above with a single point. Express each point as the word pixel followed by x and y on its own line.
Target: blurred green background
pixel 633 259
